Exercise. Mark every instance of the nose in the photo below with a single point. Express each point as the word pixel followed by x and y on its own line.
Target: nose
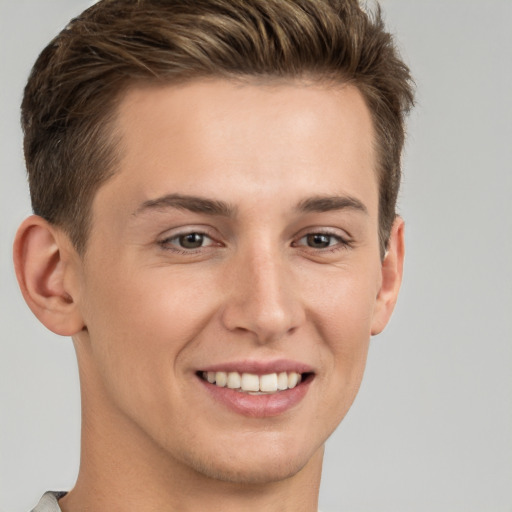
pixel 262 297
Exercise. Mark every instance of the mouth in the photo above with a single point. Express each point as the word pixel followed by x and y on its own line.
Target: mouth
pixel 256 392
pixel 254 384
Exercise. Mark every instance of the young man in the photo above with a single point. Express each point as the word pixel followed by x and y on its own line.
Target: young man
pixel 214 187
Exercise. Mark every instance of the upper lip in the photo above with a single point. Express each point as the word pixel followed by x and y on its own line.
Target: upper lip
pixel 260 367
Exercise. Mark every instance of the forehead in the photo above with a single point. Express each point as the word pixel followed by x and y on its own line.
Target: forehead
pixel 207 107
pixel 218 137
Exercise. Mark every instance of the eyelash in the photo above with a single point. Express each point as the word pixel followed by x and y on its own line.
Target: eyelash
pixel 170 243
pixel 167 243
pixel 340 242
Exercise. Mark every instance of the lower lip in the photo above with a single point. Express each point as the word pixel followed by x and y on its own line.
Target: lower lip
pixel 259 406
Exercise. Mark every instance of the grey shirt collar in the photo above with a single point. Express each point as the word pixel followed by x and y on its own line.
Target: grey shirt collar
pixel 49 502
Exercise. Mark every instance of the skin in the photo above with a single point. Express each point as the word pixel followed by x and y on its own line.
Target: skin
pixel 147 313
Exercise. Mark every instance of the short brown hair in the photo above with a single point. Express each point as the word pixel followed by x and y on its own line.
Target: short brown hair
pixel 70 100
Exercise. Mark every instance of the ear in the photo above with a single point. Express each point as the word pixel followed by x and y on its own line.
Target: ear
pixel 392 271
pixel 45 264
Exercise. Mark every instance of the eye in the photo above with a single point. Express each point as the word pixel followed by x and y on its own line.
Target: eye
pixel 191 240
pixel 187 241
pixel 321 240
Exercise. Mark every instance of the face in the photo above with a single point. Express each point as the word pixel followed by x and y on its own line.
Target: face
pixel 232 275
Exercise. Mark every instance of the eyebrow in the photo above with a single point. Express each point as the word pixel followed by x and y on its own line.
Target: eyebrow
pixel 185 202
pixel 330 203
pixel 198 204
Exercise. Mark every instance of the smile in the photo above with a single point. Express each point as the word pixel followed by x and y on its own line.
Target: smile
pixel 257 389
pixel 253 384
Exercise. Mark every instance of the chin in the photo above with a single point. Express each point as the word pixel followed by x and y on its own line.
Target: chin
pixel 252 474
pixel 256 466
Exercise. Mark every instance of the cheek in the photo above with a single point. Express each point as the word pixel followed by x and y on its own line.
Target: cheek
pixel 346 300
pixel 344 313
pixel 150 308
pixel 139 327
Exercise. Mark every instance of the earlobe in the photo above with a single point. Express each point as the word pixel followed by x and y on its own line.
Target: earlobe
pixel 392 271
pixel 43 268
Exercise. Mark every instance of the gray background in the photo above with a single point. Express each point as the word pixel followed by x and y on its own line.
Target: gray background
pixel 431 429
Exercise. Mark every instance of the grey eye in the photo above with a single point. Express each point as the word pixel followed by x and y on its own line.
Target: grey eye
pixel 191 240
pixel 320 240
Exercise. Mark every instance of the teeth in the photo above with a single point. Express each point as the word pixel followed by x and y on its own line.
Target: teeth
pixel 268 383
pixel 234 380
pixel 252 383
pixel 221 379
pixel 282 381
pixel 293 379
